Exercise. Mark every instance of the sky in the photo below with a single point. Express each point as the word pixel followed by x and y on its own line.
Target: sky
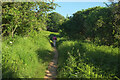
pixel 68 8
pixel 84 0
pixel 80 0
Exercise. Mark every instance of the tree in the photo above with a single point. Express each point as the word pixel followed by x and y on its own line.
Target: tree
pixel 55 20
pixel 116 22
pixel 21 17
pixel 115 9
pixel 75 26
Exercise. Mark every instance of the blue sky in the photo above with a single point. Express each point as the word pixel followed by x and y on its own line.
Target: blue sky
pixel 72 7
pixel 84 0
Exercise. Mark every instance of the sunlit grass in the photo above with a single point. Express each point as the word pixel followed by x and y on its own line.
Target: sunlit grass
pixel 79 59
pixel 26 57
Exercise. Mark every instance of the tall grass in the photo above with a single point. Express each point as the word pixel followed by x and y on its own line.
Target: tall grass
pixel 26 57
pixel 79 59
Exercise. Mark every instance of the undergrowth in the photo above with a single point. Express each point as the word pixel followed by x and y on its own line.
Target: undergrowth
pixel 79 59
pixel 26 57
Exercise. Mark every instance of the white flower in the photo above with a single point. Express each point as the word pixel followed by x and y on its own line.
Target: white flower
pixel 11 42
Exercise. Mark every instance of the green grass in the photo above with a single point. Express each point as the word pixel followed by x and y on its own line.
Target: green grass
pixel 79 59
pixel 26 57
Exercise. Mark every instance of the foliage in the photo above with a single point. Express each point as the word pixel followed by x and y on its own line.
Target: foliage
pixel 54 22
pixel 98 24
pixel 24 57
pixel 79 59
pixel 75 26
pixel 23 36
pixel 22 17
pixel 116 21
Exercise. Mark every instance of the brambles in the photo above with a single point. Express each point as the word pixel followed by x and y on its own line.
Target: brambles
pixel 79 59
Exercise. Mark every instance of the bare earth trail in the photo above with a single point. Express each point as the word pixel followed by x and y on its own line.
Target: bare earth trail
pixel 52 67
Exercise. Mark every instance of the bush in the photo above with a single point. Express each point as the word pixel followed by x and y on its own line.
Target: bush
pixel 26 57
pixel 79 59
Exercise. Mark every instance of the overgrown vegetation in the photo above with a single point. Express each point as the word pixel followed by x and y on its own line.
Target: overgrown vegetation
pixel 26 50
pixel 90 47
pixel 55 21
pixel 26 57
pixel 78 59
pixel 99 24
pixel 20 18
pixel 88 44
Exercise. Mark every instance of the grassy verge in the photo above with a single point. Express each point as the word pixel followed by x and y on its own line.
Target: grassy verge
pixel 26 57
pixel 79 59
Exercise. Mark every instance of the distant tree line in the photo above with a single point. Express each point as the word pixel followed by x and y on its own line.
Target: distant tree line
pixel 98 24
pixel 55 21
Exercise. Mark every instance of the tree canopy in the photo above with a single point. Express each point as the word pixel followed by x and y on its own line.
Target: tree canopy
pixel 55 20
pixel 22 17
pixel 99 24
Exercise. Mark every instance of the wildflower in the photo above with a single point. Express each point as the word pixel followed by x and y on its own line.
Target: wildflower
pixel 10 42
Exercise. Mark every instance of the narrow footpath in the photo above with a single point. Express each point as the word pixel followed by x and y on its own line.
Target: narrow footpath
pixel 52 67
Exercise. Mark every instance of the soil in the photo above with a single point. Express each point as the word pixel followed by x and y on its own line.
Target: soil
pixel 52 67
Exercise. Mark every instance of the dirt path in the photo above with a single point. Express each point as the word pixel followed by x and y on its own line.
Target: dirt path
pixel 52 67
